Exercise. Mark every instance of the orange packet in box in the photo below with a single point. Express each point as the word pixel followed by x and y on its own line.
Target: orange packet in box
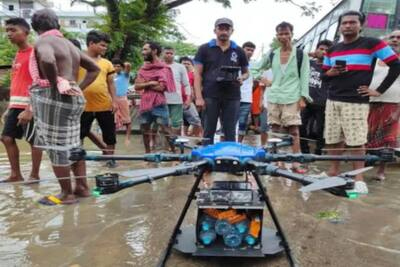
pixel 255 226
pixel 212 213
pixel 226 214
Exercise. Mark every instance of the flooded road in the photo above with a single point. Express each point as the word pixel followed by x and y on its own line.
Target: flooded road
pixel 132 227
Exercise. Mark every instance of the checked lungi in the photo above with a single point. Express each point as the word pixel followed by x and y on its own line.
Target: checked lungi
pixel 57 121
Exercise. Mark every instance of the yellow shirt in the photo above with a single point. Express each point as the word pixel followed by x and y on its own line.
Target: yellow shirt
pixel 97 95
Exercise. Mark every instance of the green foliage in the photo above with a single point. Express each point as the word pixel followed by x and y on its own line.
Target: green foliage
pixel 7 53
pixel 7 50
pixel 130 23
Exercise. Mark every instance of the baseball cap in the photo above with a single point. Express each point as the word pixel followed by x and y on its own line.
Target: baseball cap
pixel 221 21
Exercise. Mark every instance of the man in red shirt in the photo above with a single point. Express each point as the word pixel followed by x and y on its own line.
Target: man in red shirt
pixel 18 122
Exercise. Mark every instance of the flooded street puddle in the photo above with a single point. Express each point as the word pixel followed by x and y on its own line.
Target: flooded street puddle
pixel 132 227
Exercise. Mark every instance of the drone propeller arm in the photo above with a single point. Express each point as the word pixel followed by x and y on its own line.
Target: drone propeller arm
pixel 80 154
pixel 179 170
pixel 306 158
pixel 269 169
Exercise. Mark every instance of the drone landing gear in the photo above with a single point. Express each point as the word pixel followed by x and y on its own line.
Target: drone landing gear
pixel 184 239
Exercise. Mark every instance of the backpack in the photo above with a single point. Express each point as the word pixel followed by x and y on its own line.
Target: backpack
pixel 299 57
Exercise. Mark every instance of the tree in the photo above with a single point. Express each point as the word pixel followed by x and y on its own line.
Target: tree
pixel 131 22
pixel 7 53
pixel 7 50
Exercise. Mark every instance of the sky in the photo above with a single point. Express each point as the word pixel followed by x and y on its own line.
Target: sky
pixel 254 21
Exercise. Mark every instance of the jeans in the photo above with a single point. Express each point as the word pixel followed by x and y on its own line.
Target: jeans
pixel 313 121
pixel 244 112
pixel 228 109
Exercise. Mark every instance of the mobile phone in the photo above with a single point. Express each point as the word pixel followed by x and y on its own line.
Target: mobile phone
pixel 341 63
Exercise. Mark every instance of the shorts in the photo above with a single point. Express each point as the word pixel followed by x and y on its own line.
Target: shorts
pixel 244 112
pixel 191 116
pixel 158 114
pixel 175 115
pixel 106 122
pixel 264 127
pixel 346 122
pixel 284 115
pixel 11 129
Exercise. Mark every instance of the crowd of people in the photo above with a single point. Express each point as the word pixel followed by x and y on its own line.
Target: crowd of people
pixel 344 95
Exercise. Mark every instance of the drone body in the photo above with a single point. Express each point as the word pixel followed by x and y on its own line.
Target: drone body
pixel 244 205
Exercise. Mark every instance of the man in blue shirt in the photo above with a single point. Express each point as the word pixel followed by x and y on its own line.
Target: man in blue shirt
pixel 217 81
pixel 121 81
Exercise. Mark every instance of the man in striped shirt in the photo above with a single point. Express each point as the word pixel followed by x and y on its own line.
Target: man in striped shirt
pixel 349 68
pixel 18 121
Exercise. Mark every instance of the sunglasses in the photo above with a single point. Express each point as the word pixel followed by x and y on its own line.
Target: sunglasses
pixel 394 37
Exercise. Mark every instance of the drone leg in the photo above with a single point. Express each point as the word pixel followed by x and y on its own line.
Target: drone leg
pixel 285 243
pixel 164 257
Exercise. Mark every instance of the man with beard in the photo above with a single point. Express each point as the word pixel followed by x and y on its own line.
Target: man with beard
pixel 58 102
pixel 153 79
pixel 217 81
pixel 384 113
pixel 349 66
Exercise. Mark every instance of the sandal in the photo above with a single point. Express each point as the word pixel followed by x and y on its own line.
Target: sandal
pixel 54 200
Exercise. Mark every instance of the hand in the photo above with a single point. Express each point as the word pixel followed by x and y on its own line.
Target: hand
pixel 302 103
pixel 336 71
pixel 153 83
pixel 200 103
pixel 115 106
pixel 366 91
pixel 187 102
pixel 3 116
pixel 24 117
pixel 266 82
pixel 240 80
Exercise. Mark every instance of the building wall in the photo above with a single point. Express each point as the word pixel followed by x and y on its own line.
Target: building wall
pixel 69 20
pixel 382 17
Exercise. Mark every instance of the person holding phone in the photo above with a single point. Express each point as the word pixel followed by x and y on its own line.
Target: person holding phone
pixel 349 68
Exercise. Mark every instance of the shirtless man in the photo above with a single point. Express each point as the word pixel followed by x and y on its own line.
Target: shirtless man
pixel 58 102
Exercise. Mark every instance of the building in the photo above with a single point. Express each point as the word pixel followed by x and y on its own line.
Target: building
pixel 382 17
pixel 71 21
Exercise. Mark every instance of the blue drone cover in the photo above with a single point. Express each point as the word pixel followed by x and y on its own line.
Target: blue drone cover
pixel 229 149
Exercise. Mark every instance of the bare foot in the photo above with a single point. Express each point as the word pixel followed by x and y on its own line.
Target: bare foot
pixel 13 179
pixel 81 191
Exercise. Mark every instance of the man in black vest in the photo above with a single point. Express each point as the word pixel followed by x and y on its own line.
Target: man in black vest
pixel 221 67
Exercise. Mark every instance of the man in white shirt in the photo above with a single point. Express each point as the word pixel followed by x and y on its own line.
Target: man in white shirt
pixel 177 100
pixel 246 94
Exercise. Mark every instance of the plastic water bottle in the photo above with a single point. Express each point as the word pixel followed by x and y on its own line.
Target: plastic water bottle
pixel 223 227
pixel 242 226
pixel 233 238
pixel 254 231
pixel 207 237
pixel 207 223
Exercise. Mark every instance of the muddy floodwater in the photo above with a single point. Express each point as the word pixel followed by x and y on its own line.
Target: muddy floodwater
pixel 132 227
